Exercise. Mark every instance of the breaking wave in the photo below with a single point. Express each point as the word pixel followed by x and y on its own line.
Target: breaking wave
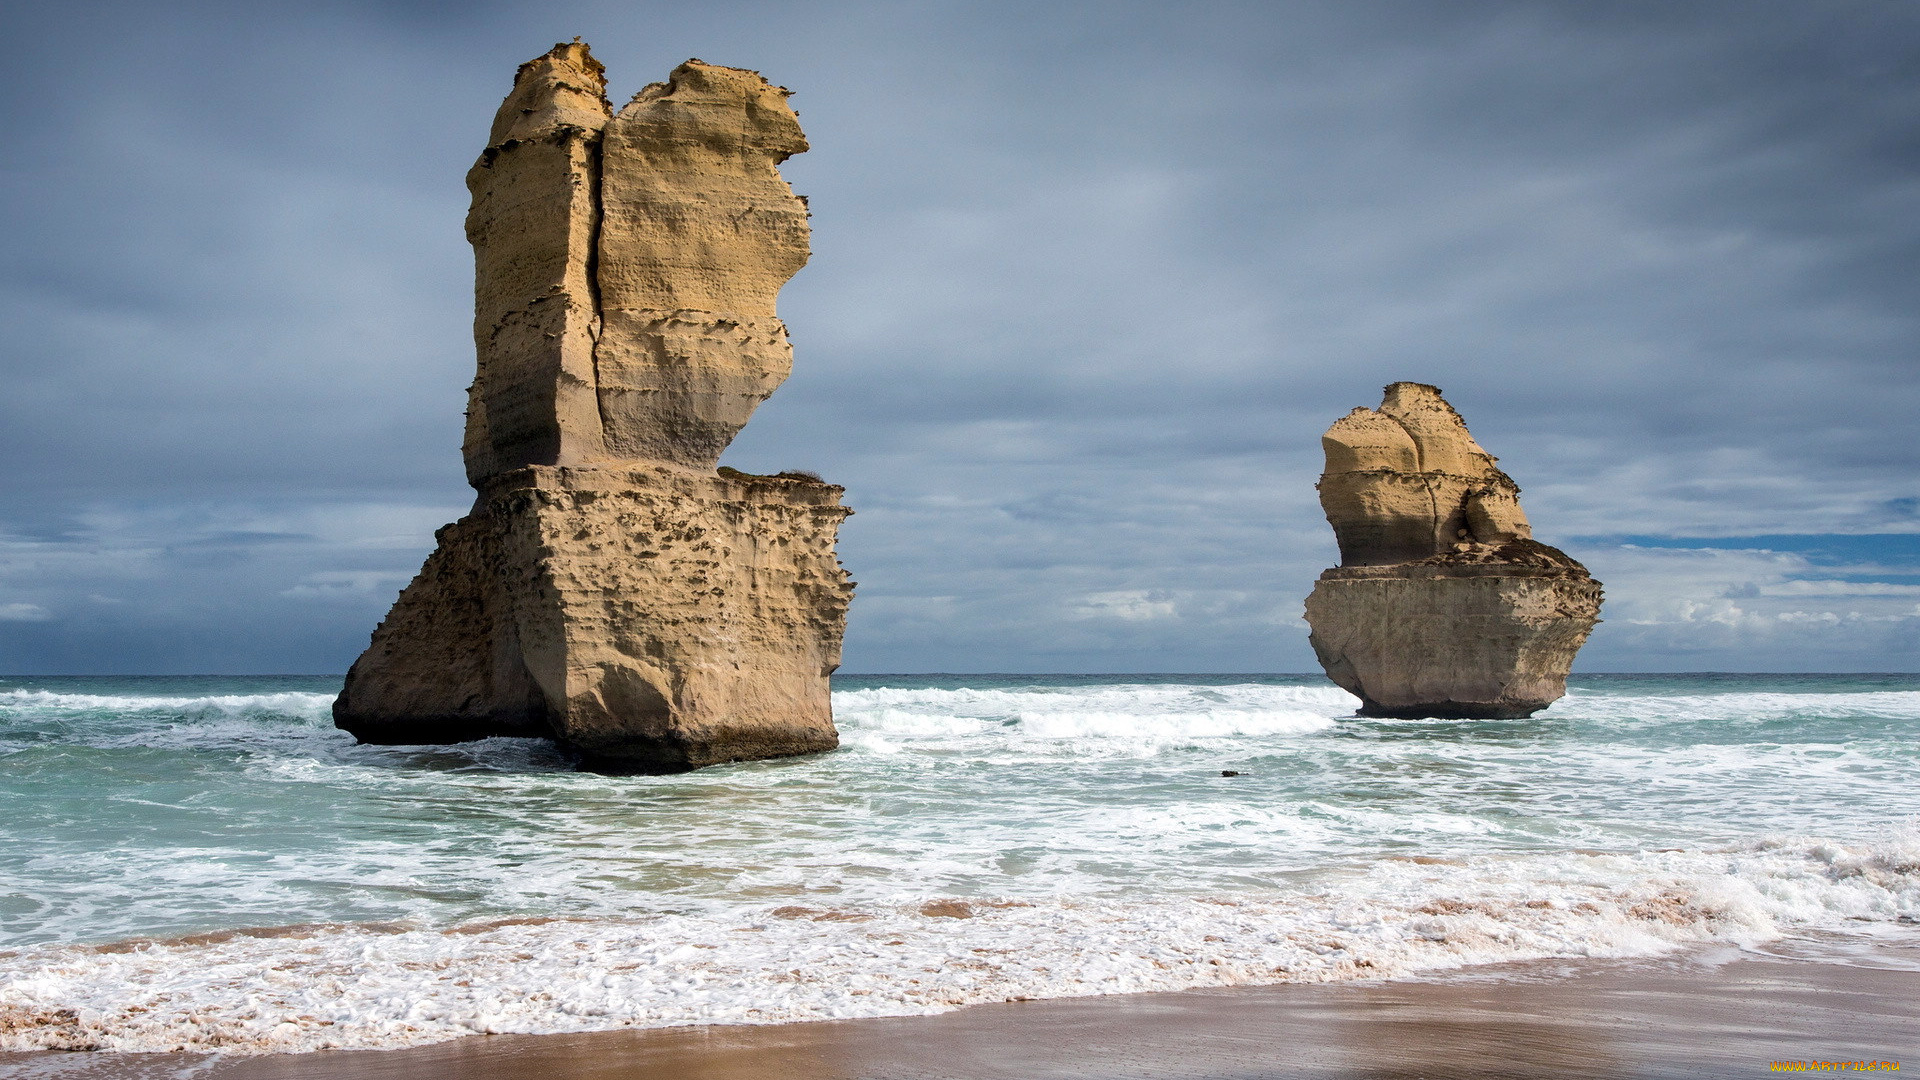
pixel 976 839
pixel 312 987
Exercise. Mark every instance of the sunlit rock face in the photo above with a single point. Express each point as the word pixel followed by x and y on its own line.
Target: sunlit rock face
pixel 1443 604
pixel 611 589
pixel 698 234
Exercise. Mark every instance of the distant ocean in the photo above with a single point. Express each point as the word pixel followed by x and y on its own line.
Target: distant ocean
pixel 205 863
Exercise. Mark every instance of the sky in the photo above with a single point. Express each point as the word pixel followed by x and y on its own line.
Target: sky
pixel 1088 281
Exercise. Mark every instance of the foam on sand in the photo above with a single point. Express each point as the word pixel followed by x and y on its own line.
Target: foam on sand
pixel 302 988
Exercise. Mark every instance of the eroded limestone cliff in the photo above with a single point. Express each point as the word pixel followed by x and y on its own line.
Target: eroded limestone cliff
pixel 1443 604
pixel 610 589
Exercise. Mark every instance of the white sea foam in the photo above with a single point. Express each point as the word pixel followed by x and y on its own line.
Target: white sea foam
pixel 1099 721
pixel 1735 707
pixel 1132 698
pixel 303 706
pixel 247 722
pixel 1152 712
pixel 967 708
pixel 315 987
pixel 799 889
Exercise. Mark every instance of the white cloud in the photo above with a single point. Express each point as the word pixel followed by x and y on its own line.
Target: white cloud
pixel 1069 332
pixel 1839 588
pixel 23 613
pixel 1132 605
pixel 332 584
pixel 1733 609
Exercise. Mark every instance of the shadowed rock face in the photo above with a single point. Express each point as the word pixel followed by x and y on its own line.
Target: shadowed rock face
pixel 534 225
pixel 610 589
pixel 1443 605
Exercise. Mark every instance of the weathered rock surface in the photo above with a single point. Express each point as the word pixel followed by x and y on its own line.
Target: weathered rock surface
pixel 1443 604
pixel 534 225
pixel 610 589
pixel 700 234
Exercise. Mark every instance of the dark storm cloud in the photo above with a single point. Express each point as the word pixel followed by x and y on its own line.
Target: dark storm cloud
pixel 1088 281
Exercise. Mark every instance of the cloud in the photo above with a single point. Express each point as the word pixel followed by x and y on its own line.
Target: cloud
pixel 200 586
pixel 1839 589
pixel 1132 605
pixel 23 613
pixel 1088 281
pixel 352 584
pixel 1737 608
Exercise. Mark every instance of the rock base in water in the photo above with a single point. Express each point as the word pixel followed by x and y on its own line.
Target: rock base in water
pixel 1458 642
pixel 651 619
pixel 1443 605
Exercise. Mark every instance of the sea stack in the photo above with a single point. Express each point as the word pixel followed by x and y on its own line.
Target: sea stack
pixel 1443 604
pixel 612 588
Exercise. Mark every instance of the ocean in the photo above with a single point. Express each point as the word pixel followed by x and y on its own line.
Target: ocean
pixel 205 863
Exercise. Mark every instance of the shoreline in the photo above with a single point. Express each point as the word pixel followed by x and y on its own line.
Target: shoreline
pixel 1712 1012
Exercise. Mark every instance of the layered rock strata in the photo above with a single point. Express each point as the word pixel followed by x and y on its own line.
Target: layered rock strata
pixel 1443 604
pixel 610 588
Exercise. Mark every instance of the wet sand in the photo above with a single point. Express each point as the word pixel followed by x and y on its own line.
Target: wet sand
pixel 1713 1014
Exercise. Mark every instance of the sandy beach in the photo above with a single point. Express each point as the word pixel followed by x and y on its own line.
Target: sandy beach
pixel 1712 1013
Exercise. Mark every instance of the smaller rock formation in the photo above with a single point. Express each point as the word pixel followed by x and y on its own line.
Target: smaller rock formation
pixel 1443 604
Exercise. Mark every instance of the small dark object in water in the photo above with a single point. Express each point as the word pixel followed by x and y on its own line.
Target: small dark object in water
pixel 1228 772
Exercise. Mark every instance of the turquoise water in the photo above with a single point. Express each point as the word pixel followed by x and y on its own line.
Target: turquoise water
pixel 1082 824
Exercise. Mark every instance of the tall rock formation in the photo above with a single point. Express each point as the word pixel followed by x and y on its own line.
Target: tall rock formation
pixel 1443 604
pixel 611 589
